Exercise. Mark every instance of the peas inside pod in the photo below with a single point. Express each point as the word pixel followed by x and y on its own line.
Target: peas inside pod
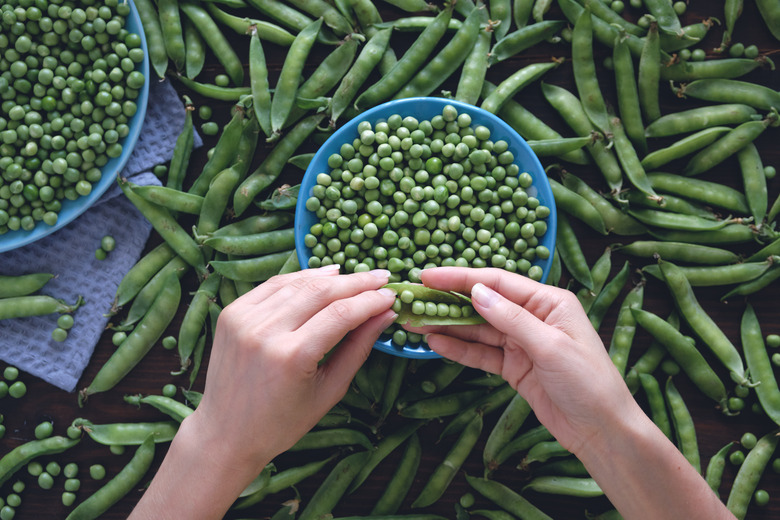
pixel 409 194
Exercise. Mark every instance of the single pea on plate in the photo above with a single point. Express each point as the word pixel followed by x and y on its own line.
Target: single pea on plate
pixel 421 182
pixel 92 135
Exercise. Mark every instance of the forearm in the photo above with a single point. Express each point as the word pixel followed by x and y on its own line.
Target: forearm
pixel 646 477
pixel 192 482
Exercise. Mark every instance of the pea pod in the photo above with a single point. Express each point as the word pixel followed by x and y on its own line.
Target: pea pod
pixel 523 38
pixel 770 15
pixel 615 220
pixel 701 323
pixel 584 487
pixel 195 49
pixel 726 146
pixel 419 305
pixel 194 319
pixel 432 379
pixel 671 204
pixel 571 252
pixel 472 76
pixel 759 365
pixel 334 486
pixel 749 474
pixel 683 147
pixel 440 406
pixel 603 11
pixel 625 327
pixel 145 297
pixel 684 428
pixel 139 341
pixel 35 305
pixel 216 41
pixel 383 449
pixel 649 74
pixel 178 411
pixel 257 269
pixel 629 160
pixel 18 457
pixel 607 296
pixel 252 225
pixel 732 91
pixel 700 190
pixel 213 91
pixel 714 472
pixel 495 400
pixel 506 498
pixel 243 25
pixel 727 68
pixel 629 109
pixel 444 472
pixel 401 481
pixel 22 285
pixel 650 360
pixel 283 13
pixel 258 80
pixel 392 385
pixel 516 82
pixel 667 18
pixel 105 497
pixel 542 452
pixel 730 234
pixel 255 244
pixel 689 36
pixel 171 198
pixel 507 426
pixel 158 56
pixel 283 480
pixel 319 439
pixel 755 285
pixel 685 353
pixel 656 403
pixel 732 10
pixel 599 273
pixel 521 443
pixel 754 181
pixel 171 26
pixel 707 276
pixel 604 31
pixel 584 69
pixel 128 434
pixel 671 220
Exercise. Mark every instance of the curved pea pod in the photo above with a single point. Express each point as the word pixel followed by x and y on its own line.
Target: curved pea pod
pixel 731 234
pixel 683 147
pixel 671 220
pixel 484 406
pixel 401 481
pixel 258 80
pixel 695 119
pixel 726 68
pixel 707 276
pixel 679 252
pixel 158 56
pixel 584 487
pixel 584 69
pixel 445 471
pixel 524 38
pixel 598 272
pixel 176 410
pixel 244 25
pixel 252 225
pixel 319 439
pixel 507 426
pixel 254 244
pixel 521 443
pixel 139 341
pixel 755 285
pixel 749 474
pixel 732 91
pixel 683 350
pixel 127 434
pixel 771 16
pixel 759 365
pixel 649 74
pixel 145 297
pixel 417 314
pixel 603 11
pixel 689 35
pixel 656 401
pixel 119 486
pixel 35 305
pixel 629 160
pixel 606 297
pixel 714 472
pixel 195 319
pixel 334 486
pixel 684 428
pixel 629 109
pixel 430 380
pixel 140 274
pixel 216 41
pixel 565 467
pixel 441 405
pixel 671 203
pixel 625 327
pixel 754 181
pixel 604 31
pixel 383 449
pixel 701 323
pixel 726 146
pixel 558 147
pixel 22 285
pixel 256 269
pixel 283 480
pixel 506 498
pixel 707 192
pixel 18 457
pixel 171 198
pixel 571 253
pixel 224 151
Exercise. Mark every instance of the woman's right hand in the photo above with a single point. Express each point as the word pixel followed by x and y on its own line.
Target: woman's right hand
pixel 538 338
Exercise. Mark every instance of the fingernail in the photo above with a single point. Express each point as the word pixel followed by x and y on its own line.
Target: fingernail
pixel 380 273
pixel 386 292
pixel 330 267
pixel 483 295
pixel 389 319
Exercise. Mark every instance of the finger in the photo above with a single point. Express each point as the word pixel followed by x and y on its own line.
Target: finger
pixel 482 333
pixel 294 304
pixel 333 322
pixel 272 285
pixel 352 352
pixel 472 354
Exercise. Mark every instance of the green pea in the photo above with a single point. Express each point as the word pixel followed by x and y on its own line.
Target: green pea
pixel 17 390
pixel 169 390
pixel 118 337
pixel 34 468
pixel 53 469
pixel 772 340
pixel 7 513
pixel 116 449
pixel 737 457
pixel 210 128
pixel 18 487
pixel 108 243
pixel 65 321
pixel 70 470
pixel 761 497
pixel 44 430
pixel 748 440
pixel 45 481
pixel 59 334
pixel 97 472
pixel 72 484
pixel 68 498
pixel 10 373
pixel 169 342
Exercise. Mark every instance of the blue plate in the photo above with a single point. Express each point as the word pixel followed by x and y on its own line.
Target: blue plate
pixel 73 208
pixel 425 108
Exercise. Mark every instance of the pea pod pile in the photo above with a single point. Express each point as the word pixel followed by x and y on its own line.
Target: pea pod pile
pixel 635 165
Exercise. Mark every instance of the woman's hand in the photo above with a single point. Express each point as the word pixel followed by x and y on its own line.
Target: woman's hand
pixel 538 339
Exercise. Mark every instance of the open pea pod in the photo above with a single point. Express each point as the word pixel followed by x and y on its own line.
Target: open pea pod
pixel 419 305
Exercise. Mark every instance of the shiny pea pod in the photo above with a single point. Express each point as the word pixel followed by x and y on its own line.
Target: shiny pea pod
pixel 650 359
pixel 608 295
pixel 726 146
pixel 472 75
pixel 212 91
pixel 431 306
pixel 256 269
pixel 755 285
pixel 571 252
pixel 392 386
pixel 170 23
pixel 649 74
pixel 119 486
pixel 671 220
pixel 598 272
pixel 18 457
pixel 506 498
pixel 707 192
pixel 145 297
pixel 524 38
pixel 23 285
pixel 383 449
pixel 567 467
pixel 708 276
pixel 171 198
pixel 182 151
pixel 255 244
pixel 224 152
pixel 505 429
pixel 158 56
pixel 730 234
pixel 717 463
pixel 521 12
pixel 320 9
pixel 759 365
pixel 770 15
pixel 243 25
pixel 720 90
pixel 334 486
pixel 625 327
pixel 749 474
pixel 445 472
pixel 701 323
pixel 441 405
pixel 656 403
pixel 542 452
pixel 430 380
pixel 671 203
pixel 754 181
pixel 683 147
pixel 629 109
pixel 728 68
pixel 519 444
pixel 139 341
pixel 665 15
pixel 398 487
pixel 253 225
pixel 195 49
pixel 629 160
pixel 558 147
pixel 516 82
pixel 495 400
pixel 258 81
pixel 584 69
pixel 584 487
pixel 34 305
pixel 176 410
pixel 128 434
pixel 684 428
pixel 603 31
pixel 194 319
pixel 215 40
pixel 696 119
pixel 603 11
pixel 683 350
pixel 615 220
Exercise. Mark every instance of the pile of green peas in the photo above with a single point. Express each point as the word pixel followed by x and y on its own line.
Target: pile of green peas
pixel 68 85
pixel 407 195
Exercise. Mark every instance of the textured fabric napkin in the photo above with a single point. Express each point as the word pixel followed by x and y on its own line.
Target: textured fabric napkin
pixel 69 253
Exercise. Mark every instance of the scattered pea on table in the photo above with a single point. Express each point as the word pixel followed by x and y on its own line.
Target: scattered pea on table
pixel 97 472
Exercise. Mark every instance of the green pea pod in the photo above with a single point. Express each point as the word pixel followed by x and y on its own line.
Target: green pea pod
pixel 714 472
pixel 629 160
pixel 695 119
pixel 524 38
pixel 749 474
pixel 584 69
pixel 392 385
pixel 521 12
pixel 321 9
pixel 177 169
pixel 472 75
pixel 649 74
pixel 726 146
pixel 194 319
pixel 615 220
pixel 671 204
pixel 759 365
pixel 565 467
pixel 607 296
pixel 383 449
pixel 401 481
pixel 441 405
pixel 726 68
pixel 145 297
pixel 158 56
pixel 171 26
pixel 329 438
pixel 119 486
pixel 584 487
pixel 625 327
pixel 604 12
pixel 18 457
pixel 284 197
pixel 128 434
pixel 700 190
pixel 369 19
pixel 506 498
pixel 195 49
pixel 256 269
pixel 683 350
pixel 521 443
pixel 22 285
pixel 683 147
pixel 701 323
pixel 689 36
pixel 629 108
pixel 558 147
pixel 598 272
pixel 571 252
pixel 139 341
pixel 282 13
pixel 215 40
pixel 707 276
pixel 732 91
pixel 650 360
pixel 731 234
pixel 431 379
pixel 603 31
pixel 442 475
pixel 495 400
pixel 35 305
pixel 656 402
pixel 671 220
pixel 754 181
pixel 426 306
pixel 283 480
pixel 770 15
pixel 213 91
pixel 176 410
pixel 516 82
pixel 505 429
pixel 680 252
pixel 216 199
pixel 255 244
pixel 367 60
pixel 542 452
pixel 684 428
pixel 252 225
pixel 243 25
pixel 334 486
pixel 444 64
pixel 258 80
pixel 171 199
pixel 408 65
pixel 224 152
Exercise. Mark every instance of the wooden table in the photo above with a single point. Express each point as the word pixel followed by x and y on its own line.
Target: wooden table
pixel 44 402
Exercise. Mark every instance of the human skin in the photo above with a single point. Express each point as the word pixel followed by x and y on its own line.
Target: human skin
pixel 539 339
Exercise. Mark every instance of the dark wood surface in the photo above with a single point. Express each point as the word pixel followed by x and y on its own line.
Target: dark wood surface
pixel 44 402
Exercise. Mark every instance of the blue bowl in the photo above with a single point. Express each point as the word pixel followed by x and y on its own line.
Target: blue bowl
pixel 73 208
pixel 425 108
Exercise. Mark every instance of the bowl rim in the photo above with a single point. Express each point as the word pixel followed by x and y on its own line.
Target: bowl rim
pixel 379 113
pixel 72 209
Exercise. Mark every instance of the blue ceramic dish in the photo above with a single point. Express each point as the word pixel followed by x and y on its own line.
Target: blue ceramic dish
pixel 73 208
pixel 425 108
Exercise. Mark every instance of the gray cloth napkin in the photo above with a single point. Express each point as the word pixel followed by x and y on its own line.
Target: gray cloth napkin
pixel 69 254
